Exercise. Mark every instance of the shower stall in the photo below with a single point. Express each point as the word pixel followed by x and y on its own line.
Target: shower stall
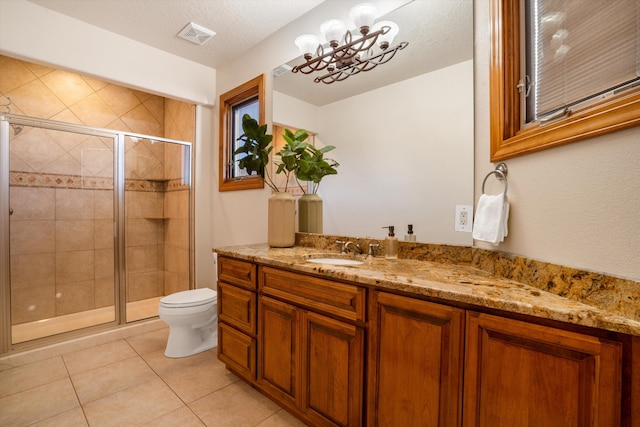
pixel 95 227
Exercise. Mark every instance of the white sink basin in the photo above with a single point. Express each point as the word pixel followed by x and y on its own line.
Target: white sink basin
pixel 335 261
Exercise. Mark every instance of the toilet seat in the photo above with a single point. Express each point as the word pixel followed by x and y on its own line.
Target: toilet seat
pixel 190 298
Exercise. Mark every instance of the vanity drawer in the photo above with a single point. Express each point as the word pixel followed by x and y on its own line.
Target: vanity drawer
pixel 237 351
pixel 341 299
pixel 239 273
pixel 237 307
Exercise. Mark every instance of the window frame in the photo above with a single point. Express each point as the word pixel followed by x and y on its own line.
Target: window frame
pixel 508 137
pixel 253 87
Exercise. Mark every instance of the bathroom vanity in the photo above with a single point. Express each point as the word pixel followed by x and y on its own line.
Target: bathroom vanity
pixel 411 342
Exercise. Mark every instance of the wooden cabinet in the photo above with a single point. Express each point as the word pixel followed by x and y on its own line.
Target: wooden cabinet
pixel 415 362
pixel 521 374
pixel 312 362
pixel 237 330
pixel 301 340
pixel 279 350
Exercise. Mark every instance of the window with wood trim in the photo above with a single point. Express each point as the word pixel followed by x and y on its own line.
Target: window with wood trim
pixel 246 98
pixel 524 45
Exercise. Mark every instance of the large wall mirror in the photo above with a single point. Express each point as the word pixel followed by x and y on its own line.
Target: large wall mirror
pixel 403 131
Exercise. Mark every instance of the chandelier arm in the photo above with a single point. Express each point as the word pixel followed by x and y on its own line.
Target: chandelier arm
pixel 386 55
pixel 360 65
pixel 342 73
pixel 342 53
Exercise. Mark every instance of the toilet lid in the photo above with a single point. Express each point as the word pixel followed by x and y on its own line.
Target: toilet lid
pixel 190 298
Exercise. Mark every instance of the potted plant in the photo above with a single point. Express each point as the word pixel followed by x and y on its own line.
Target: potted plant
pixel 257 149
pixel 308 165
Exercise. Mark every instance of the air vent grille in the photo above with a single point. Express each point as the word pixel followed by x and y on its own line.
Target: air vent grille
pixel 196 33
pixel 283 69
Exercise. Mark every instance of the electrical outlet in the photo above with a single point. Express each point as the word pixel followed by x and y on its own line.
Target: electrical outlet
pixel 464 218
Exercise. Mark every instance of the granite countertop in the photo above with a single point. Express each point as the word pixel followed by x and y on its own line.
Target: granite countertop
pixel 446 281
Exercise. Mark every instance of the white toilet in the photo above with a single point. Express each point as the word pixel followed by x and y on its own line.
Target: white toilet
pixel 192 317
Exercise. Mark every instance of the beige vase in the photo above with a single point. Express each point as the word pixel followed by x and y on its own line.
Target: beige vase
pixel 282 221
pixel 310 214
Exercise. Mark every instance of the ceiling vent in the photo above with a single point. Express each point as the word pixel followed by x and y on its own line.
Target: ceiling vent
pixel 283 69
pixel 196 33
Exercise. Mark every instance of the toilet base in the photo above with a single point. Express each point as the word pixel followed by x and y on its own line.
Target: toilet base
pixel 184 341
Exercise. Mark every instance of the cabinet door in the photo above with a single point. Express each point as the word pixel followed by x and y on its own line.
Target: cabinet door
pixel 279 349
pixel 415 365
pixel 333 364
pixel 237 307
pixel 526 375
pixel 237 351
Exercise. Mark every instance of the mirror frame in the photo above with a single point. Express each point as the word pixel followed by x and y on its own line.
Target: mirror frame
pixel 508 137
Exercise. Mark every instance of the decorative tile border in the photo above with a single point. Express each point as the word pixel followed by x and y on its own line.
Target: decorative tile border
pixel 44 180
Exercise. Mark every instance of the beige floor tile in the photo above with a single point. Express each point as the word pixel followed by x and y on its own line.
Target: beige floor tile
pixel 281 419
pixel 25 377
pixel 150 341
pixel 191 377
pixel 72 418
pixel 100 355
pixel 37 404
pixel 100 382
pixel 182 417
pixel 236 405
pixel 133 406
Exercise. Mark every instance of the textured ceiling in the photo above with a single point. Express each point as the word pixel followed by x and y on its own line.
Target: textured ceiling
pixel 239 24
pixel 439 33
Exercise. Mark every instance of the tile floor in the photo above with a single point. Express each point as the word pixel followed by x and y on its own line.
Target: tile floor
pixel 129 382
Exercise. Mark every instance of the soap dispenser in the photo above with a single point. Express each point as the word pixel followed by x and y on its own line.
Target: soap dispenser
pixel 391 244
pixel 410 237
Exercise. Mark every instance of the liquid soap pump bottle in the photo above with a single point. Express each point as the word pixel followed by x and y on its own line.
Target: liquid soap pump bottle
pixel 410 237
pixel 391 244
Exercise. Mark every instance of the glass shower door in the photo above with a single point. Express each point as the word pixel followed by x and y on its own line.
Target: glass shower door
pixel 157 238
pixel 61 231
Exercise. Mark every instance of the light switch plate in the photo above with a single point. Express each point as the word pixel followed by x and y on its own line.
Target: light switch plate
pixel 464 218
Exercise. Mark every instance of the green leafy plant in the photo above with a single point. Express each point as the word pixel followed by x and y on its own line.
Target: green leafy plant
pixel 256 149
pixel 304 160
pixel 297 157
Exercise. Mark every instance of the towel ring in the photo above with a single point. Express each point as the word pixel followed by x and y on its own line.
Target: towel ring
pixel 501 173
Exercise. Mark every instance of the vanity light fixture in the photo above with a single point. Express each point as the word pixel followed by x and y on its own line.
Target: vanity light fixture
pixel 357 53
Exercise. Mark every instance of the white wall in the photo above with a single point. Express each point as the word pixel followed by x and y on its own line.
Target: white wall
pixel 577 205
pixel 36 34
pixel 289 111
pixel 406 157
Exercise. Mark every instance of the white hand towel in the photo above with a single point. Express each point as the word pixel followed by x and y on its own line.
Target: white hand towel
pixel 492 215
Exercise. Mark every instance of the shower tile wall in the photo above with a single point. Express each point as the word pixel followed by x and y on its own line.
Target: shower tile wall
pixel 62 188
pixel 179 124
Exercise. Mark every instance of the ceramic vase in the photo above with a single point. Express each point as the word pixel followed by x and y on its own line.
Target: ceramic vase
pixel 282 221
pixel 310 214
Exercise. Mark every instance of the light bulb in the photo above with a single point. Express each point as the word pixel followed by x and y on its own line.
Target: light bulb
pixel 363 15
pixel 307 43
pixel 333 30
pixel 384 40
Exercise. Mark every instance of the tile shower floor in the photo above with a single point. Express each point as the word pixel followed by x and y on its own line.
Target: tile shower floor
pixel 129 382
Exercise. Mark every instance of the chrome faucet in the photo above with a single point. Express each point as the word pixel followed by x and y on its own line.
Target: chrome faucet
pixel 372 250
pixel 356 247
pixel 343 246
